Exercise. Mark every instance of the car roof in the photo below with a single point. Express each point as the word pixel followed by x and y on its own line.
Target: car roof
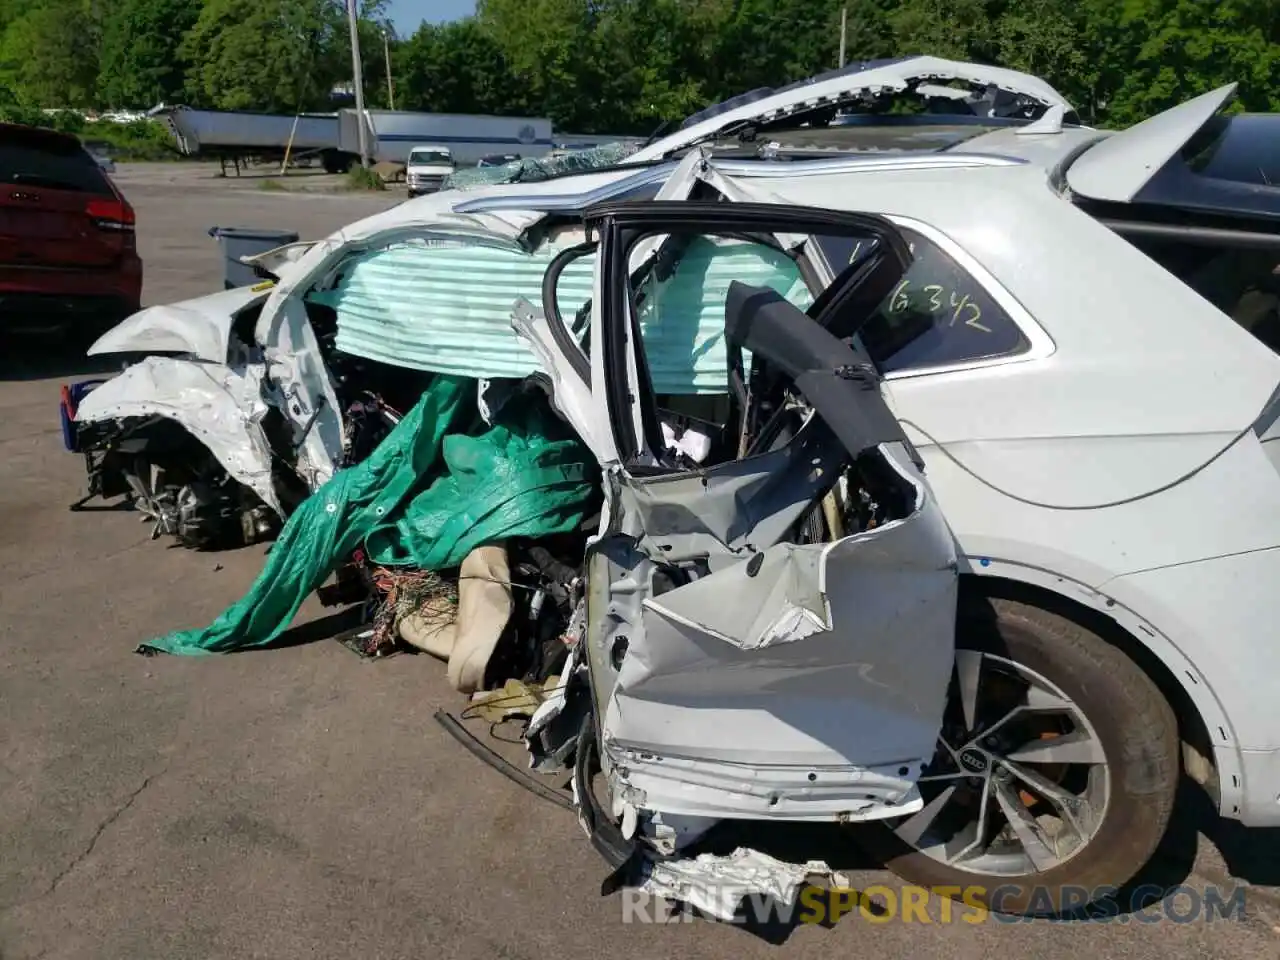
pixel 1000 90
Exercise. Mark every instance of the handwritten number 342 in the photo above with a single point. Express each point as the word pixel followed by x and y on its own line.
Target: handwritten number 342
pixel 959 307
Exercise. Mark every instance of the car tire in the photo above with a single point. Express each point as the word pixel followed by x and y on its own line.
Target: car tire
pixel 1134 726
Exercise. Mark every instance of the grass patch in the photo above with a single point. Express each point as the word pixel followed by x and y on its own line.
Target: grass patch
pixel 139 140
pixel 362 178
pixel 272 186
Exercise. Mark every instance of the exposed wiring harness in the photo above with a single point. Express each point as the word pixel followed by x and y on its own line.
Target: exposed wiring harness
pixel 500 763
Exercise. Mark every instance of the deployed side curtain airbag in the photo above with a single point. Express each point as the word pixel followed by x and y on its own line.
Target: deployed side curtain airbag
pixel 445 306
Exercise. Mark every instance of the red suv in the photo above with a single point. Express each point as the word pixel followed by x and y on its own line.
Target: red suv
pixel 67 241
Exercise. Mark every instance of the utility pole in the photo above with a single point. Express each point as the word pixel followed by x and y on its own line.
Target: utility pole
pixel 844 23
pixel 358 82
pixel 386 52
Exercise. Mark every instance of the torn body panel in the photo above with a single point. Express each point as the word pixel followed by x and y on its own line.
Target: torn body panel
pixel 851 83
pixel 570 390
pixel 200 327
pixel 755 652
pixel 798 681
pixel 278 260
pixel 219 405
pixel 717 885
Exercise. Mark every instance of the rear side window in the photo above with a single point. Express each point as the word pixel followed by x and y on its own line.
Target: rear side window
pixel 1238 148
pixel 937 315
pixel 1243 283
pixel 54 168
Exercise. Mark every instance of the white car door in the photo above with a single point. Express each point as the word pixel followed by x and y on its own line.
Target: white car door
pixel 771 631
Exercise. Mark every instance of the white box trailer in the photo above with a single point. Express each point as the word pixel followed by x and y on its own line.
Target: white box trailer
pixel 393 133
pixel 233 134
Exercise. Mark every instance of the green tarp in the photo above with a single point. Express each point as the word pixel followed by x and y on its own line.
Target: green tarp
pixel 440 484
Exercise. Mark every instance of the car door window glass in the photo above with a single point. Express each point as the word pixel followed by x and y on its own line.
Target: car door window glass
pixel 937 315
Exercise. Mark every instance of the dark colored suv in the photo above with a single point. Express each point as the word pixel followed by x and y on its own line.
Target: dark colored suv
pixel 67 245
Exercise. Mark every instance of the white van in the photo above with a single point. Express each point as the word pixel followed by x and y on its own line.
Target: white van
pixel 426 169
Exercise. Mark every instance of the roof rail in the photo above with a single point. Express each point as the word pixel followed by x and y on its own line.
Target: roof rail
pixel 857 164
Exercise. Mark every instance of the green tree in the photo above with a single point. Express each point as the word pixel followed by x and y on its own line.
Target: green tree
pixel 548 47
pixel 620 66
pixel 1046 38
pixel 270 55
pixel 141 65
pixel 1175 49
pixel 955 29
pixel 457 68
pixel 49 53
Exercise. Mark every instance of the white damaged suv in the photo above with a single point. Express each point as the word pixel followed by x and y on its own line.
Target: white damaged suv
pixel 939 478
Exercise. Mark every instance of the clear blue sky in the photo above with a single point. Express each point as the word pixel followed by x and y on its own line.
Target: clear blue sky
pixel 408 14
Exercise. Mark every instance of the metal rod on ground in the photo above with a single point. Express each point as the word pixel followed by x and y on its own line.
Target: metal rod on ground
pixel 386 52
pixel 357 79
pixel 288 147
pixel 844 23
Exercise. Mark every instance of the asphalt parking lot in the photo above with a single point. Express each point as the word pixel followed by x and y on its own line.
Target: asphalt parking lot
pixel 299 802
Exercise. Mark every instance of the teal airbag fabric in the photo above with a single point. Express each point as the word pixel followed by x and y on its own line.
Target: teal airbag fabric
pixel 682 317
pixel 445 306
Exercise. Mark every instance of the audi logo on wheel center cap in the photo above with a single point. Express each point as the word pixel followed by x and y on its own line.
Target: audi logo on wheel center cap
pixel 975 761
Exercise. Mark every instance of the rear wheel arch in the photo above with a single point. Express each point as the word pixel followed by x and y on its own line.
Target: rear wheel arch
pixel 1202 724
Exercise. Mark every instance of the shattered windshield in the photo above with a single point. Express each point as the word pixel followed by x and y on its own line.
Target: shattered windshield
pixel 530 170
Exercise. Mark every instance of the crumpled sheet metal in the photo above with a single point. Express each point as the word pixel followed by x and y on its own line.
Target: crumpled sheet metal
pixel 717 884
pixel 534 169
pixel 221 406
pixel 200 327
pixel 328 526
pixel 445 306
pixel 874 77
pixel 781 602
pixel 571 394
